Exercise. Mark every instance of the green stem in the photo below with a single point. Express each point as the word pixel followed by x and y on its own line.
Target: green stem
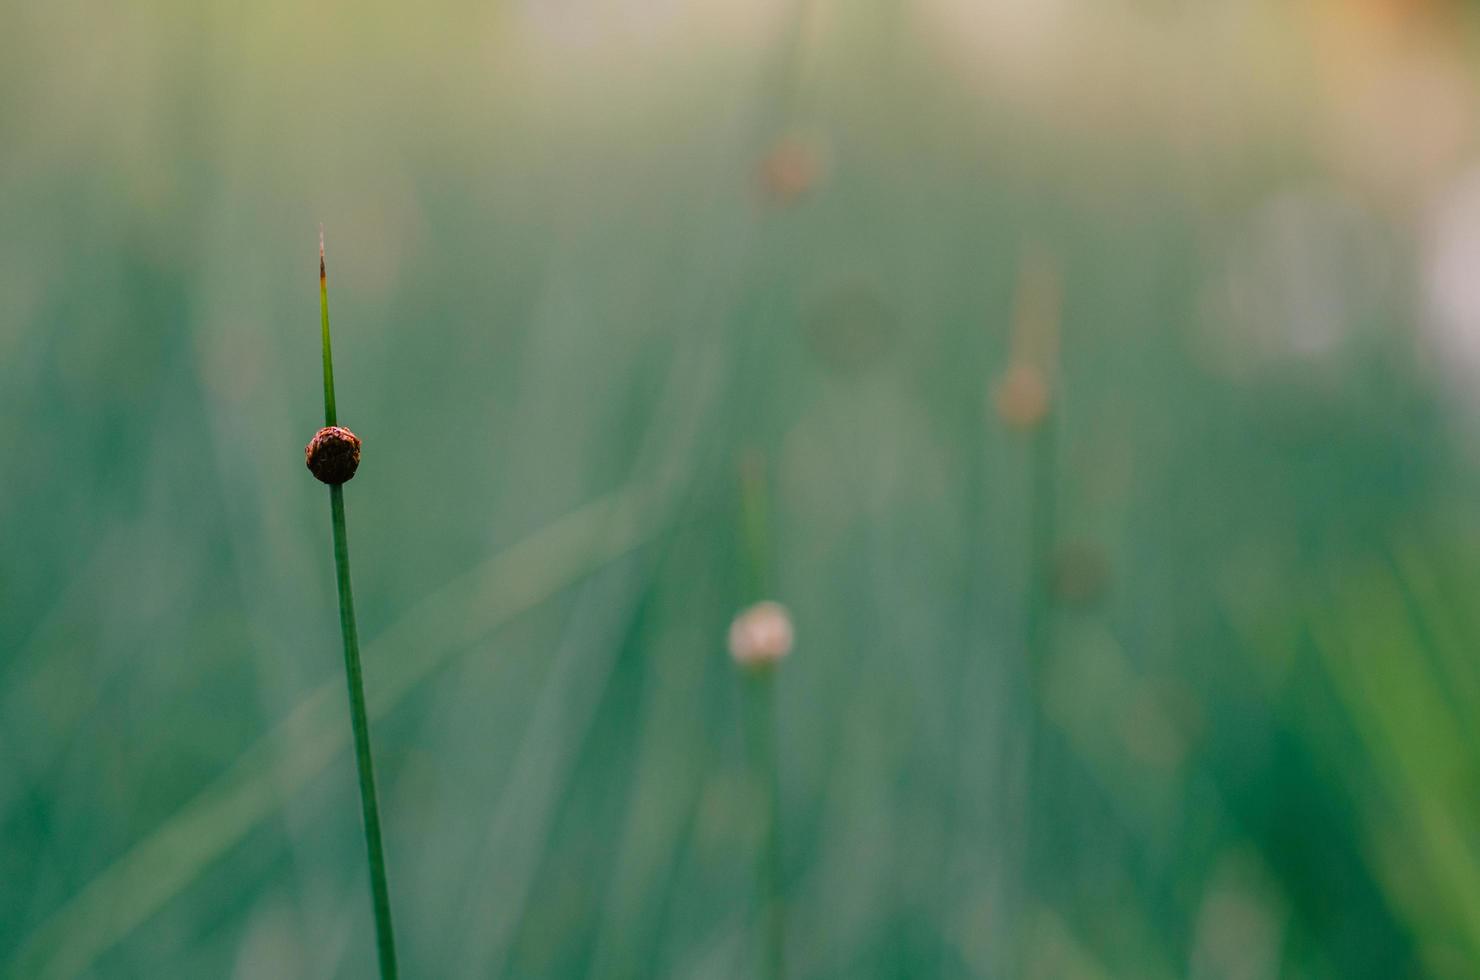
pixel 385 938
pixel 762 698
pixel 330 415
pixel 1043 490
pixel 755 524
pixel 760 692
pixel 1042 760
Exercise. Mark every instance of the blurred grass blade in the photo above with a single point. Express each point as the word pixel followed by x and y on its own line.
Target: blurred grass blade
pixel 312 736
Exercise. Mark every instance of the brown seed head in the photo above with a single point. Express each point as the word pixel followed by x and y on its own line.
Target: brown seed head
pixel 1079 573
pixel 1022 397
pixel 794 166
pixel 333 455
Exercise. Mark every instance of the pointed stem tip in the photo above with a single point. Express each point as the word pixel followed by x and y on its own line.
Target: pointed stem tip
pixel 329 413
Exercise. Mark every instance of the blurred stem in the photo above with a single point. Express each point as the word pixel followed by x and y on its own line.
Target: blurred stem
pixel 786 76
pixel 1043 491
pixel 385 940
pixel 755 524
pixel 760 684
pixel 1042 507
pixel 761 697
pixel 964 686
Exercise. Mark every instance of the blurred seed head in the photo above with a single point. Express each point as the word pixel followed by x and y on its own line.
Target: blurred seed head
pixel 1023 395
pixel 1080 574
pixel 851 328
pixel 752 465
pixel 794 166
pixel 1149 732
pixel 1160 722
pixel 761 635
pixel 333 455
pixel 1241 923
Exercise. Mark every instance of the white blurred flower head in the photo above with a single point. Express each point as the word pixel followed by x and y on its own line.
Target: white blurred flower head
pixel 1300 276
pixel 761 635
pixel 1451 256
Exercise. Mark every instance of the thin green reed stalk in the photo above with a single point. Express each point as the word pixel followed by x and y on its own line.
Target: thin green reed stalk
pixel 1027 400
pixel 755 525
pixel 385 940
pixel 760 683
pixel 1039 311
pixel 762 686
pixel 1043 491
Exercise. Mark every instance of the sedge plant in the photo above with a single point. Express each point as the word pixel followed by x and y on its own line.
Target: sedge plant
pixel 1025 402
pixel 759 638
pixel 333 456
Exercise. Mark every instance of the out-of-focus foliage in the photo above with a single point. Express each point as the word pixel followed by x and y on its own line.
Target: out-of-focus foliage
pixel 1112 366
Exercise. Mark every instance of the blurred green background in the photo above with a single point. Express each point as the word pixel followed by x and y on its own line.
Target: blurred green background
pixel 1179 681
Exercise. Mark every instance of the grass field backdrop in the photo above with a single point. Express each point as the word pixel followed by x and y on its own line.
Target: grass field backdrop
pixel 1182 680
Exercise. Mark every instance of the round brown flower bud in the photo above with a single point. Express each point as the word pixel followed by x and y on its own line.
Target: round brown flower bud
pixel 333 454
